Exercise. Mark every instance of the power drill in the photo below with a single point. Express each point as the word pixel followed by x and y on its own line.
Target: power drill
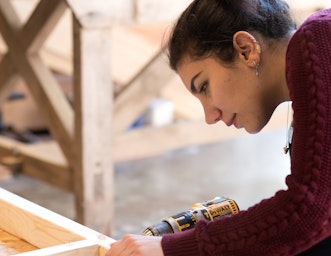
pixel 207 210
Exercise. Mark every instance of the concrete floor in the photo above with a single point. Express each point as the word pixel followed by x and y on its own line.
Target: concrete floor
pixel 246 169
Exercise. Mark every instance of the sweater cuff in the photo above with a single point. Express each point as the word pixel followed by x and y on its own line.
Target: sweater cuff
pixel 182 243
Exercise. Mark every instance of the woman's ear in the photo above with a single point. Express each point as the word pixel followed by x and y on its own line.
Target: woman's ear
pixel 247 47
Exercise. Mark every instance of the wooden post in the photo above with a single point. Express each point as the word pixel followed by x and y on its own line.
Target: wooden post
pixel 93 106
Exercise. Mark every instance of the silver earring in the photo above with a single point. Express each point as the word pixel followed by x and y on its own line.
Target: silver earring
pixel 257 72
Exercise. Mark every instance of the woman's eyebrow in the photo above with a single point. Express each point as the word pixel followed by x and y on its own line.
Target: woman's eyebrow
pixel 193 88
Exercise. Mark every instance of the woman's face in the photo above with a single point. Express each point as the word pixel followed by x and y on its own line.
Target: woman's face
pixel 234 95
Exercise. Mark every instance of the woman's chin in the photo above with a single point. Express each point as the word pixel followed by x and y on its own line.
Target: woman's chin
pixel 253 130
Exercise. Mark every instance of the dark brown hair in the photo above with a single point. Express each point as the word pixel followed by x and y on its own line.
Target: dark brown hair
pixel 206 27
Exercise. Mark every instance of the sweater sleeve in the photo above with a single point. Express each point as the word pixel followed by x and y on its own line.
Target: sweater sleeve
pixel 295 219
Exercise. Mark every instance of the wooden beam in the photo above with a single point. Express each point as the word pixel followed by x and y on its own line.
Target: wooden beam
pixel 84 247
pixel 41 23
pixel 93 104
pixel 43 161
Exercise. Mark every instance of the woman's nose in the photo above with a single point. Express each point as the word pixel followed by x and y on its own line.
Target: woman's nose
pixel 212 115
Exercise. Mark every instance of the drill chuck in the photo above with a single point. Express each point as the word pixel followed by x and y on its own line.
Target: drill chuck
pixel 208 210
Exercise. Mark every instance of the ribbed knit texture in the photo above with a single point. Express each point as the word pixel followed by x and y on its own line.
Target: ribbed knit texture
pixel 297 218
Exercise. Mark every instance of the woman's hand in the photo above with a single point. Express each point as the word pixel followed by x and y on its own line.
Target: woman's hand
pixel 136 245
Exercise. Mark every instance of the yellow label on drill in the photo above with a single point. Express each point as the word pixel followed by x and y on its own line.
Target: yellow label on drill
pixel 218 210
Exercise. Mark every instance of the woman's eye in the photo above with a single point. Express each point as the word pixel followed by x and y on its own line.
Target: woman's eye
pixel 204 87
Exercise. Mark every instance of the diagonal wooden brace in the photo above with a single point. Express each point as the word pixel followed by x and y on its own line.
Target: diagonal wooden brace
pixel 24 42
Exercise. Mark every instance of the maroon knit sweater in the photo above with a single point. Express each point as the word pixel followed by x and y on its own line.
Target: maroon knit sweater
pixel 296 219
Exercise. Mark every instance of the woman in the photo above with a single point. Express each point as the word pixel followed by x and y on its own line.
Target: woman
pixel 241 59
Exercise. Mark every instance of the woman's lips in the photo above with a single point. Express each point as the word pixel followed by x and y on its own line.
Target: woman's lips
pixel 231 121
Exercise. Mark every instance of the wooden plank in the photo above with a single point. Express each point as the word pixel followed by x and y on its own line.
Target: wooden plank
pixel 52 103
pixel 44 161
pixel 85 247
pixel 93 104
pixel 41 23
pixel 39 226
pixel 43 228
